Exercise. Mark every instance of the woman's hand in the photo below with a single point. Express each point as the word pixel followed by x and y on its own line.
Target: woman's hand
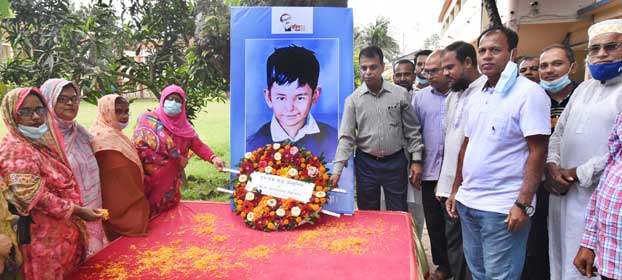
pixel 5 246
pixel 87 214
pixel 219 163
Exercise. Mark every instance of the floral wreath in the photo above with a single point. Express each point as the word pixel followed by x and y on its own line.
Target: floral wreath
pixel 269 213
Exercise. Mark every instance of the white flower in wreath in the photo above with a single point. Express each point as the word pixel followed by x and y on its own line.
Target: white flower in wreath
pixel 295 211
pixel 268 169
pixel 249 196
pixel 320 194
pixel 280 212
pixel 248 155
pixel 271 202
pixel 277 156
pixel 292 172
pixel 242 178
pixel 250 216
pixel 312 171
pixel 276 146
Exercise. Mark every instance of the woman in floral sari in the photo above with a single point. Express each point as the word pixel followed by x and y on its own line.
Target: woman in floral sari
pixel 39 185
pixel 163 139
pixel 63 100
pixel 120 169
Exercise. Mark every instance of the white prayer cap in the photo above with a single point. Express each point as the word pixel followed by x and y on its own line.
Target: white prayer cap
pixel 606 26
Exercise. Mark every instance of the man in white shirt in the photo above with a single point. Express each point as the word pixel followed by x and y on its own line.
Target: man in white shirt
pixel 460 67
pixel 578 148
pixel 501 161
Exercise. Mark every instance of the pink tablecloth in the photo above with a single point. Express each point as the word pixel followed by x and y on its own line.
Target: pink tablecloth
pixel 205 240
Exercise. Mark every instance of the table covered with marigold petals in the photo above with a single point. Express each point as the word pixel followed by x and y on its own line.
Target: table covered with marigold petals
pixel 205 240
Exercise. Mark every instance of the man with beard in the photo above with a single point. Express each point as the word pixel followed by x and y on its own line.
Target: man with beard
pixel 528 68
pixel 429 105
pixel 460 68
pixel 404 74
pixel 578 153
pixel 420 80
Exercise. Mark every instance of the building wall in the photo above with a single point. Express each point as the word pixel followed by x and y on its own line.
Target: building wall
pixel 465 24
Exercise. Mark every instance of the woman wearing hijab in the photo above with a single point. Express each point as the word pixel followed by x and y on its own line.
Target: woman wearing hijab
pixel 121 172
pixel 38 183
pixel 163 139
pixel 63 100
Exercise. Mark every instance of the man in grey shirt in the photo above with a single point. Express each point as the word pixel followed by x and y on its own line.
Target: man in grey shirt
pixel 379 120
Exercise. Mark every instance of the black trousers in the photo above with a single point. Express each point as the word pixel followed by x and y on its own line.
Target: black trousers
pixel 537 258
pixel 455 252
pixel 435 223
pixel 390 172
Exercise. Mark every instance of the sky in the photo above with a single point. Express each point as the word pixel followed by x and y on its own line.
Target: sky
pixel 412 21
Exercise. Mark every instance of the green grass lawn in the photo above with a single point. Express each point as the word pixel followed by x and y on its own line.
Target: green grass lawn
pixel 212 125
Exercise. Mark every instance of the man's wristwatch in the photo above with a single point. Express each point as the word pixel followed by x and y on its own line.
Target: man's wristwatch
pixel 416 161
pixel 527 209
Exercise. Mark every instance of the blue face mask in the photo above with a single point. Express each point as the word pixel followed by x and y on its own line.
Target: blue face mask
pixel 33 132
pixel 508 78
pixel 123 125
pixel 556 85
pixel 172 108
pixel 605 71
pixel 421 81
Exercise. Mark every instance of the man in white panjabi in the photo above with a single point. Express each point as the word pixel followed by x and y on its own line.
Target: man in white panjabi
pixel 578 147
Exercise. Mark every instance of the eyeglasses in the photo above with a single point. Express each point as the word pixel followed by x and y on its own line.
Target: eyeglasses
pixel 64 99
pixel 609 47
pixel 28 112
pixel 532 68
pixel 431 72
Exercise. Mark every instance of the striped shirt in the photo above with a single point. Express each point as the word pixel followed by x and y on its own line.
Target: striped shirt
pixel 603 219
pixel 379 124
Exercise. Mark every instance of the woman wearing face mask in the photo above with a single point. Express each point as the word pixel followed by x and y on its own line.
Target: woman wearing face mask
pixel 121 173
pixel 63 100
pixel 163 139
pixel 38 183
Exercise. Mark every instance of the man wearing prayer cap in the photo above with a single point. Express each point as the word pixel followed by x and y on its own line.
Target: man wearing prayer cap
pixel 578 150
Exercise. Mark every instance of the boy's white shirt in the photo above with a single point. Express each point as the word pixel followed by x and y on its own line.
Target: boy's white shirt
pixel 279 134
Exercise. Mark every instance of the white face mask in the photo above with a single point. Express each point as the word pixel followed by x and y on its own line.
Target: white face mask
pixel 123 125
pixel 508 77
pixel 172 108
pixel 34 133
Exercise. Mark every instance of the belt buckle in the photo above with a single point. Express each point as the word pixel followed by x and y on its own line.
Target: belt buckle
pixel 379 157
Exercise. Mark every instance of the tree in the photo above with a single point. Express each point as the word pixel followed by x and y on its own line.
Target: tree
pixel 432 43
pixel 493 13
pixel 377 34
pixel 96 48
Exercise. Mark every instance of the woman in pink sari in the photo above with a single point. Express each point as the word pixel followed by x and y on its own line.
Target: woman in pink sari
pixel 164 139
pixel 63 100
pixel 40 187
